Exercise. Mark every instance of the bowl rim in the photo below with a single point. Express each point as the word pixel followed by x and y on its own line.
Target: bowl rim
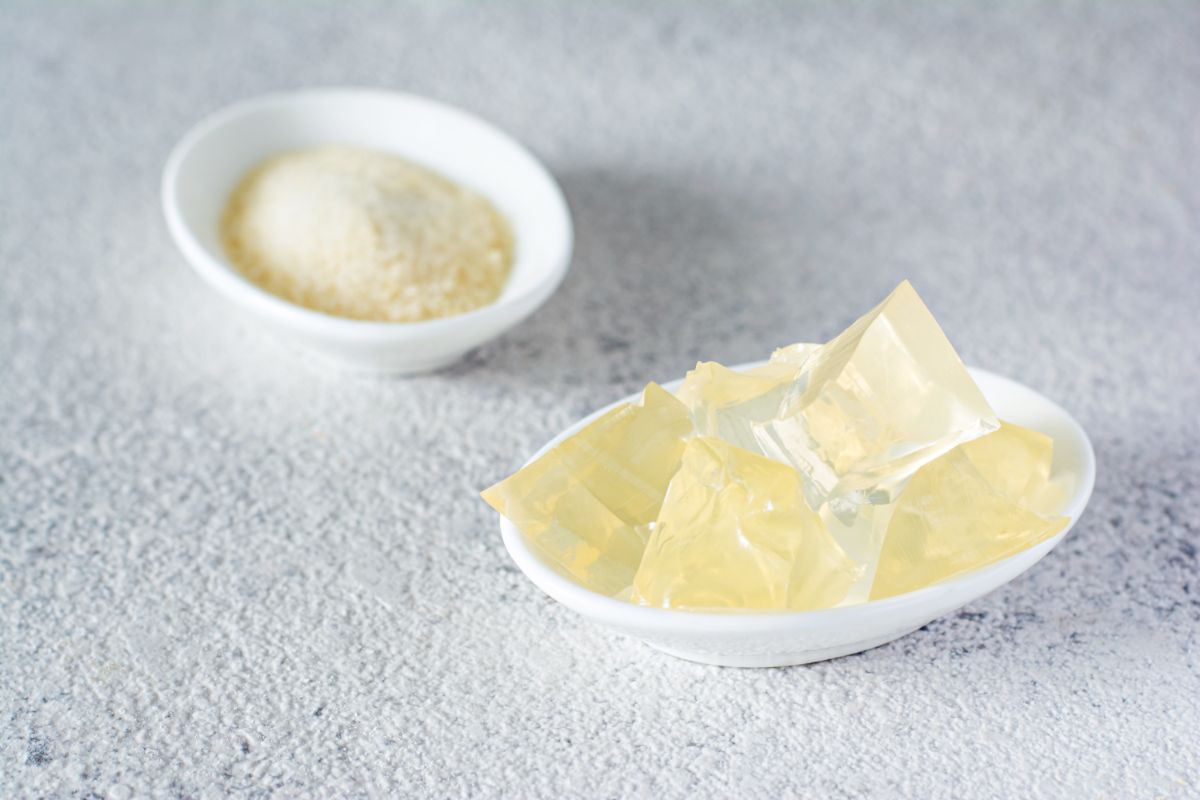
pixel 229 281
pixel 740 621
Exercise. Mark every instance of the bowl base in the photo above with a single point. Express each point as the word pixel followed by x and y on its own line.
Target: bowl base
pixel 368 365
pixel 784 659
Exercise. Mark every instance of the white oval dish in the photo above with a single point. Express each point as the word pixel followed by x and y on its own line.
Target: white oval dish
pixel 206 165
pixel 783 638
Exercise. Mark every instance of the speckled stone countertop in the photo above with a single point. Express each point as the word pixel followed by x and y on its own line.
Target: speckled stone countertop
pixel 224 571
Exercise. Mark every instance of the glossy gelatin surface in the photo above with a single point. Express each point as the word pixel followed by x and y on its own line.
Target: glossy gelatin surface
pixel 587 504
pixel 859 469
pixel 735 532
pixel 971 507
pixel 875 404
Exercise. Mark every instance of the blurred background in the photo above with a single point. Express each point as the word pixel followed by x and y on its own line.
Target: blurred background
pixel 224 570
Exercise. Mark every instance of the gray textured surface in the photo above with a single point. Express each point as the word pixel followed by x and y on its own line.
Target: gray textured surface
pixel 223 571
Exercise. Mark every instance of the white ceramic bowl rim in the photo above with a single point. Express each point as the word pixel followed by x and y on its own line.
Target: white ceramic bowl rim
pixel 677 621
pixel 232 282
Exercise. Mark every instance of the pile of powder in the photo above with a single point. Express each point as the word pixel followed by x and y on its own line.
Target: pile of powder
pixel 366 235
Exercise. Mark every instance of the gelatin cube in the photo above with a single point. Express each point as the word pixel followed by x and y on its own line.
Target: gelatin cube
pixel 725 403
pixel 585 506
pixel 963 511
pixel 861 537
pixel 872 406
pixel 1017 462
pixel 628 461
pixel 570 527
pixel 735 532
pixel 795 355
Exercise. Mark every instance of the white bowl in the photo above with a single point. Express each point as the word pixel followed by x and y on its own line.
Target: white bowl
pixel 782 638
pixel 207 164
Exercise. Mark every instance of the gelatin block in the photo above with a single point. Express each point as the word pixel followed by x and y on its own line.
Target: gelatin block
pixel 872 406
pixel 735 532
pixel 725 403
pixel 1017 462
pixel 966 510
pixel 586 505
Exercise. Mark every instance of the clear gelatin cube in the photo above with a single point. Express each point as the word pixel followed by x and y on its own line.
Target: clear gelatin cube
pixel 1017 462
pixel 872 406
pixel 725 403
pixel 735 532
pixel 983 501
pixel 587 504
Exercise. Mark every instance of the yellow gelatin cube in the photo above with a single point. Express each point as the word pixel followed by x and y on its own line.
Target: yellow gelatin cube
pixel 735 532
pixel 586 505
pixel 968 509
pixel 872 406
pixel 1017 461
pixel 725 403
pixel 795 355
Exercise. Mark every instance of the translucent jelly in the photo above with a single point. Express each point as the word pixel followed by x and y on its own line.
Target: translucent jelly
pixel 727 404
pixel 875 404
pixel 724 403
pixel 735 532
pixel 586 505
pixel 859 469
pixel 971 507
pixel 1017 461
